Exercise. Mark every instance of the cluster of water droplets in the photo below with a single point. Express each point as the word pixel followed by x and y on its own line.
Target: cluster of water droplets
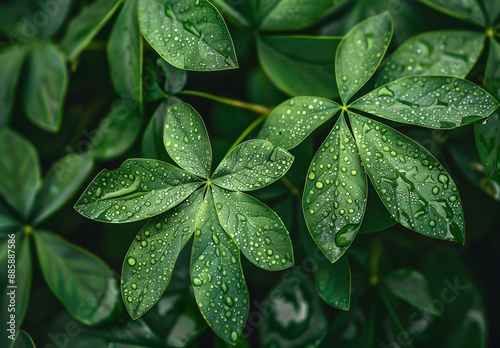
pixel 335 192
pixel 138 189
pixel 293 120
pixel 256 229
pixel 218 283
pixel 188 34
pixel 251 165
pixel 435 53
pixel 430 101
pixel 412 184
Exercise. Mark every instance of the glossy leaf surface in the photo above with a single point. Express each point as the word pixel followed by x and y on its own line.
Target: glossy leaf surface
pixel 429 101
pixel 78 278
pixel 360 52
pixel 418 192
pixel 150 260
pixel 469 10
pixel 256 229
pixel 124 52
pixel 137 190
pixel 305 71
pixel 43 96
pixel 445 52
pixel 84 27
pixel 291 14
pixel 20 170
pixel 333 283
pixel 293 120
pixel 60 184
pixel 11 61
pixel 189 34
pixel 251 165
pixel 335 193
pixel 487 140
pixel 186 139
pixel 218 282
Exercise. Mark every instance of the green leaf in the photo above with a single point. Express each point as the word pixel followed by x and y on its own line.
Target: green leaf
pixel 82 282
pixel 335 193
pixel 46 87
pixel 293 120
pixel 292 14
pixel 439 102
pixel 117 131
pixel 468 10
pixel 218 282
pixel 292 315
pixel 255 228
pixel 251 165
pixel 19 289
pixel 411 286
pixel 11 61
pixel 8 221
pixel 61 183
pixel 189 34
pixel 444 52
pixel 360 52
pixel 492 10
pixel 487 140
pixel 333 283
pixel 85 26
pixel 124 52
pixel 237 11
pixel 305 71
pixel 376 216
pixel 138 189
pixel 415 188
pixel 186 139
pixel 151 258
pixel 492 72
pixel 20 170
pixel 23 340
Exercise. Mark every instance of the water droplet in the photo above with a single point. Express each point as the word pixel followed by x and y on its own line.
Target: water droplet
pixel 241 217
pixel 229 301
pixel 453 198
pixel 131 261
pixel 268 241
pixel 197 281
pixel 435 190
pixel 234 336
pixel 319 185
pixel 345 236
pixel 432 223
pixel 312 176
pixel 215 238
pixel 443 179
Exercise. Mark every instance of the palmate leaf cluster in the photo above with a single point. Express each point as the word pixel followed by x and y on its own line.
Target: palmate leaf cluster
pixel 364 106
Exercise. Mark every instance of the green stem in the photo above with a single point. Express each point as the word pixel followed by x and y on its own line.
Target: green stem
pixel 392 313
pixel 294 190
pixel 247 131
pixel 237 103
pixel 375 260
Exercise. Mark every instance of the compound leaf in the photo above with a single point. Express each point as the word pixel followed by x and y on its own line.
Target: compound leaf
pixel 256 229
pixel 124 52
pixel 468 10
pixel 440 102
pixel 60 184
pixel 293 120
pixel 251 165
pixel 20 170
pixel 78 278
pixel 445 52
pixel 84 27
pixel 218 282
pixel 335 193
pixel 415 188
pixel 189 34
pixel 138 189
pixel 46 87
pixel 151 258
pixel 305 71
pixel 186 139
pixel 360 52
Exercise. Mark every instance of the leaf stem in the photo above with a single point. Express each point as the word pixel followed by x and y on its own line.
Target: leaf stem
pixel 294 190
pixel 375 260
pixel 392 312
pixel 237 103
pixel 247 131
